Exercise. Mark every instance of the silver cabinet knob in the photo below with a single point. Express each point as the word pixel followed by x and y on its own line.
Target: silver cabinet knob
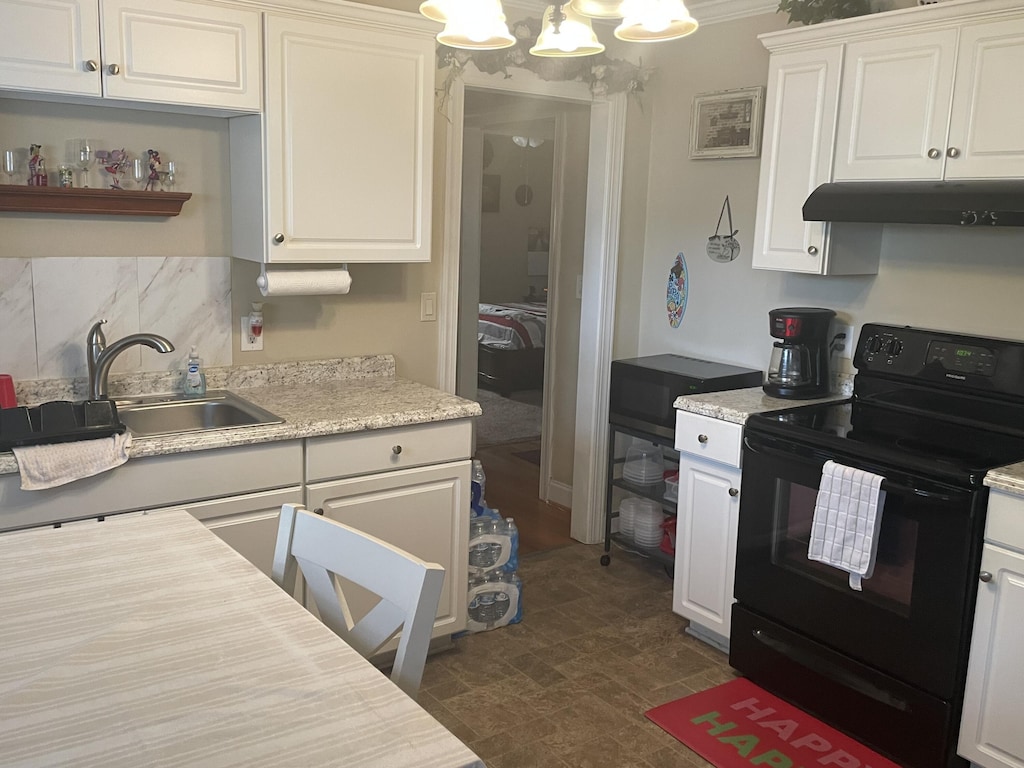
pixel 114 69
pixel 813 250
pixel 934 153
pixel 396 449
pixel 953 152
pixel 702 439
pixel 318 511
pixel 91 65
pixel 278 238
pixel 734 492
pixel 985 576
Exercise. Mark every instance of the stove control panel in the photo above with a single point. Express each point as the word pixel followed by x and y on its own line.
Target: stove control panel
pixel 942 357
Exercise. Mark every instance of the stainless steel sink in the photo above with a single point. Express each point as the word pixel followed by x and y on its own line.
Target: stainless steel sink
pixel 173 414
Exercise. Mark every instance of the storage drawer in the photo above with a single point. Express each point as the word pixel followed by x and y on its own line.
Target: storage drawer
pixel 382 450
pixel 1005 522
pixel 708 438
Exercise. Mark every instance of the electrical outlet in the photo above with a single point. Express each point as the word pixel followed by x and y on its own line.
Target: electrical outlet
pixel 250 343
pixel 844 347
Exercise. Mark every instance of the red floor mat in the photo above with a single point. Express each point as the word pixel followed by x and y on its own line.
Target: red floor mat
pixel 737 725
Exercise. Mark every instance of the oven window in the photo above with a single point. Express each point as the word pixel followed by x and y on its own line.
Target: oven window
pixel 892 583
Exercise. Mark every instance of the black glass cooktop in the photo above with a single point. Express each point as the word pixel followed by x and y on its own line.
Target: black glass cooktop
pixel 950 443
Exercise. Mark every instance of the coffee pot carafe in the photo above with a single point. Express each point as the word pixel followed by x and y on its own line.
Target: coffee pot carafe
pixel 799 367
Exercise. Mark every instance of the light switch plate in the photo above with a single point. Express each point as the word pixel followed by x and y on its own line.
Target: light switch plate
pixel 428 307
pixel 250 343
pixel 846 350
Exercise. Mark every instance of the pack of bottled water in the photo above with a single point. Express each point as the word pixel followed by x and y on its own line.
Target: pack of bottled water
pixel 494 587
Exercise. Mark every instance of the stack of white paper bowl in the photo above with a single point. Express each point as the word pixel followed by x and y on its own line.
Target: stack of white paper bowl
pixel 627 516
pixel 647 523
pixel 644 464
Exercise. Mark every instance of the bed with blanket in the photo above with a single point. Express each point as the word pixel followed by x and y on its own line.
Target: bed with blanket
pixel 510 344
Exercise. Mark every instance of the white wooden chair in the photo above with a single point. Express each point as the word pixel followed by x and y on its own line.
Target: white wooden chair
pixel 409 588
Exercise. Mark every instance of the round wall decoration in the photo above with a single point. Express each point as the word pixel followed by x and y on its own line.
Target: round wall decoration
pixel 678 291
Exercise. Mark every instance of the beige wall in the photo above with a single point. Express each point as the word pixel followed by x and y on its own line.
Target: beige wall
pixel 503 234
pixel 940 277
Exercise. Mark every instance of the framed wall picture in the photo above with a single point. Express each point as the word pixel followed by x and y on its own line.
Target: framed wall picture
pixel 727 123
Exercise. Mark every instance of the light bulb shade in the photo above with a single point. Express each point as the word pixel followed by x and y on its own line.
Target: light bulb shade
pixel 648 21
pixel 598 9
pixel 574 37
pixel 435 10
pixel 475 25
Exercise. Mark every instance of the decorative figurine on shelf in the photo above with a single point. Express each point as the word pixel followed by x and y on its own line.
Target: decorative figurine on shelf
pixel 153 180
pixel 114 162
pixel 36 167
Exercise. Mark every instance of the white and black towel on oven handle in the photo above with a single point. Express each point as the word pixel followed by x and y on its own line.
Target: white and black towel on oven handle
pixel 847 519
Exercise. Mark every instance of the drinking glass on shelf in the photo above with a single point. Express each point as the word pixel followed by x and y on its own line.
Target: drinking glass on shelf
pixel 170 169
pixel 10 165
pixel 81 153
pixel 139 172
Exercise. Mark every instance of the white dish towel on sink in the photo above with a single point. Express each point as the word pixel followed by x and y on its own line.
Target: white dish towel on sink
pixel 47 466
pixel 847 518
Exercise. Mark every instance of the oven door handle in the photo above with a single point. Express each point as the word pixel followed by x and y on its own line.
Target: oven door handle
pixel 887 485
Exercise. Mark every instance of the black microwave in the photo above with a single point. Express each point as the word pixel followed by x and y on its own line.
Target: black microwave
pixel 644 389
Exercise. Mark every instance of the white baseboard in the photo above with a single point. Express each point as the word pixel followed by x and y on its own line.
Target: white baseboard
pixel 560 493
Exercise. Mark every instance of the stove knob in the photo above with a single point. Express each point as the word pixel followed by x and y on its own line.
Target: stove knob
pixel 874 345
pixel 893 347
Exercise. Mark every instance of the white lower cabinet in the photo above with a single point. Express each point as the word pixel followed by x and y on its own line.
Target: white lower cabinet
pixel 424 510
pixel 248 522
pixel 990 732
pixel 707 524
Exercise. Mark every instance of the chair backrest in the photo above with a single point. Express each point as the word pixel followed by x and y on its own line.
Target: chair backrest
pixel 409 588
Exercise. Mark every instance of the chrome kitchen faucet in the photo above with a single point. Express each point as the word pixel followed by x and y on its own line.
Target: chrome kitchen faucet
pixel 100 357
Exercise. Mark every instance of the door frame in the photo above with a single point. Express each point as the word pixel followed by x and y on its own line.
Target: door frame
pixel 600 260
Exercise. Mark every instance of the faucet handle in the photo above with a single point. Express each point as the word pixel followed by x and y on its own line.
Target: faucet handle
pixel 95 335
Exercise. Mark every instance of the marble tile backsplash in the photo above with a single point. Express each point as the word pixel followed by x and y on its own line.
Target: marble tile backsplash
pixel 47 306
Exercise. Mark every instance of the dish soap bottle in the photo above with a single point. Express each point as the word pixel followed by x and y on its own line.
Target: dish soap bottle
pixel 195 379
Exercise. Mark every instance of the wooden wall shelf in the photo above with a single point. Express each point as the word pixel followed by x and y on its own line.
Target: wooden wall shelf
pixel 113 202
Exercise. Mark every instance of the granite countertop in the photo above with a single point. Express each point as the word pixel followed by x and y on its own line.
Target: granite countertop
pixel 736 404
pixel 1008 479
pixel 314 402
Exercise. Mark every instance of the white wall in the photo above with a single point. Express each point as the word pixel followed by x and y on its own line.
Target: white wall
pixel 938 277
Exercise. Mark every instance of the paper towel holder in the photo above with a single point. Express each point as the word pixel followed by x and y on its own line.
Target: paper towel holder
pixel 336 272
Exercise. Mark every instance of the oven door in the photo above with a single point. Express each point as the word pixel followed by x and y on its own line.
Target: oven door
pixel 910 620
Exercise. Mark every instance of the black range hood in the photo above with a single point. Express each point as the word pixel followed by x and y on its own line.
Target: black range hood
pixel 962 203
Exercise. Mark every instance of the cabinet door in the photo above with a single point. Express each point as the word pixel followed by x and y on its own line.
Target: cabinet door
pixel 424 511
pixel 182 53
pixel 986 132
pixel 349 125
pixel 47 45
pixel 990 732
pixel 708 519
pixel 894 107
pixel 246 523
pixel 796 157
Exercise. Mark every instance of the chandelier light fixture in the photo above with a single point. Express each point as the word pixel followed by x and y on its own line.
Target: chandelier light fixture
pixel 566 29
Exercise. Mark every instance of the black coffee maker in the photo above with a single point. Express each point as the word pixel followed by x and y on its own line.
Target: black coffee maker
pixel 799 367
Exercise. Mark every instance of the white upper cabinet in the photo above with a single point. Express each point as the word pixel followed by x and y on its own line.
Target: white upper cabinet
pixel 986 129
pixel 148 51
pixel 942 104
pixel 346 141
pixel 894 107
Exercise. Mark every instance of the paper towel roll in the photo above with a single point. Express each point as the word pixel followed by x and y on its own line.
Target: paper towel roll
pixel 304 282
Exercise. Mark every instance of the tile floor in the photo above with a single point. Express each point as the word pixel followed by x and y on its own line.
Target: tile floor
pixel 568 686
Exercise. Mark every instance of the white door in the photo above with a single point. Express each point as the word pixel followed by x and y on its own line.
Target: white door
pixel 349 127
pixel 986 134
pixel 424 511
pixel 894 107
pixel 796 157
pixel 50 45
pixel 181 53
pixel 706 530
pixel 990 732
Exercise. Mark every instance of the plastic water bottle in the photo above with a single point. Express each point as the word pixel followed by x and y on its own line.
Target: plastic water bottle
pixel 486 608
pixel 513 535
pixel 478 484
pixel 474 609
